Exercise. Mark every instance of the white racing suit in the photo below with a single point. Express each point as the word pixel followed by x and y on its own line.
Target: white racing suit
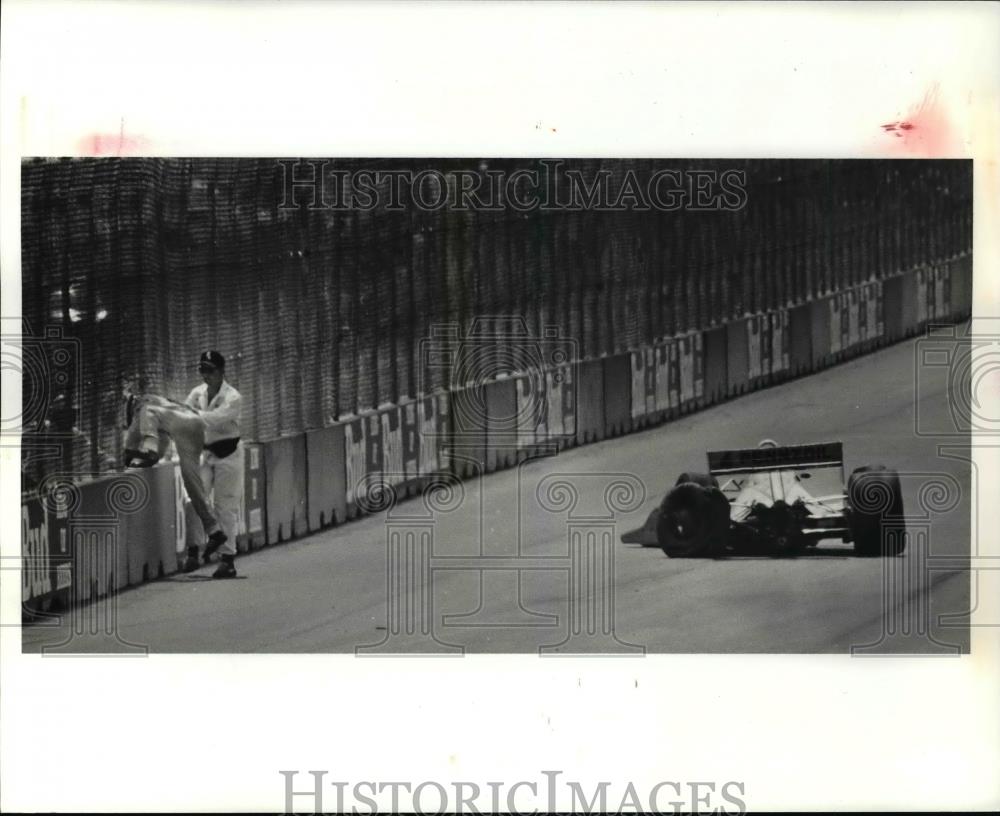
pixel 153 422
pixel 222 470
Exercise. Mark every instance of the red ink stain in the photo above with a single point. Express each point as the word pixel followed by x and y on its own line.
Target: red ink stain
pixel 113 144
pixel 926 131
pixel 896 127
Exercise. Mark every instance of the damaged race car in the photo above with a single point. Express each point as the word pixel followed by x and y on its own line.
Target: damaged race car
pixel 777 500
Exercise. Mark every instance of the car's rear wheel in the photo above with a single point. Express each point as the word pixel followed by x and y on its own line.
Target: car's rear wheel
pixel 874 501
pixel 694 521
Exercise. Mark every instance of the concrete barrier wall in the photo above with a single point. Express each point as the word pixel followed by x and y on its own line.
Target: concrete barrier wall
pixel 434 416
pixel 561 401
pixel 617 395
pixel 666 391
pixel 532 414
pixel 325 477
pixel 820 313
pixel 913 296
pixel 590 420
pixel 780 361
pixel 409 423
pixel 95 538
pixel 738 356
pixel 148 536
pixel 716 365
pixel 691 361
pixel 755 350
pixel 641 370
pixel 394 475
pixel 286 496
pixel 46 560
pixel 469 419
pixel 800 340
pixel 669 378
pixel 363 459
pixel 892 306
pixel 961 286
pixel 253 529
pixel 501 424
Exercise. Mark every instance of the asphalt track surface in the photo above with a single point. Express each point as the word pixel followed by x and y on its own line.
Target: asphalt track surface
pixel 327 593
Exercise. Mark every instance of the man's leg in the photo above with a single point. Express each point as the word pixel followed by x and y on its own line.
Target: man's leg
pixel 191 475
pixel 209 471
pixel 147 426
pixel 190 463
pixel 145 441
pixel 188 433
pixel 207 476
pixel 169 420
pixel 227 497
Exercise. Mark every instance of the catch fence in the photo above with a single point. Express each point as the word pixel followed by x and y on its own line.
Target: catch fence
pixel 131 267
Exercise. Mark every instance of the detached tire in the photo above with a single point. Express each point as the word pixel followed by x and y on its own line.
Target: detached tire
pixel 694 521
pixel 874 498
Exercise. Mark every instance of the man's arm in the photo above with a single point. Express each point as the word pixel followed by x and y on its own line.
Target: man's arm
pixel 228 410
pixel 156 402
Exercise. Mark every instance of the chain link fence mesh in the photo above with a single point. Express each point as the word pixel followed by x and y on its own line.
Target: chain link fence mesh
pixel 320 312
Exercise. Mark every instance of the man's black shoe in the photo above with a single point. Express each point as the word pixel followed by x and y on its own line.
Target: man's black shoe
pixel 216 540
pixel 226 568
pixel 140 459
pixel 191 563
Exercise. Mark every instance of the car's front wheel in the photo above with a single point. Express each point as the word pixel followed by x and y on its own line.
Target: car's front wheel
pixel 693 522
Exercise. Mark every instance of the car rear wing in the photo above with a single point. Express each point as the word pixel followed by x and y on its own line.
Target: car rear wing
pixel 784 457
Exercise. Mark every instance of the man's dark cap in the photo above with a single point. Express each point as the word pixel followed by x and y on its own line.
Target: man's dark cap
pixel 211 359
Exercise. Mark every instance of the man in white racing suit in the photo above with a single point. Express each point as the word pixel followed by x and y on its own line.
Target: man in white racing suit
pixel 220 406
pixel 152 423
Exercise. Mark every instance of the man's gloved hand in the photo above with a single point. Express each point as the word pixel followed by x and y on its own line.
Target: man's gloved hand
pixel 140 459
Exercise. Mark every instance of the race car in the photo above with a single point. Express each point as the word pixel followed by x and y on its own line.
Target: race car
pixel 777 500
